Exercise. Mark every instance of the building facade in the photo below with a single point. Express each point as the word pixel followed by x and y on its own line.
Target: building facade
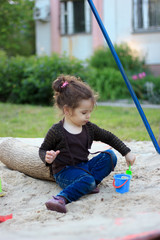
pixel 68 26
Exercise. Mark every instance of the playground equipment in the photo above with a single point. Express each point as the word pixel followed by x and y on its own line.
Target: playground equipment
pixel 133 95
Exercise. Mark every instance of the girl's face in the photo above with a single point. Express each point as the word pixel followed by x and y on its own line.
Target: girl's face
pixel 81 115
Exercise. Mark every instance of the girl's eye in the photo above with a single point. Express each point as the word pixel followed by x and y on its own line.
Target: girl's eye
pixel 83 113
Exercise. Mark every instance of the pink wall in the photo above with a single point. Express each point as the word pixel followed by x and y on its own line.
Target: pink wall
pixel 55 35
pixel 98 39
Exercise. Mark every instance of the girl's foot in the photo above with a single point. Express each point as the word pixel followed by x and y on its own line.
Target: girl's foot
pixel 56 204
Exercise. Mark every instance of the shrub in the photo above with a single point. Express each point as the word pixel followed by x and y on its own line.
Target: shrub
pixel 109 84
pixel 131 62
pixel 11 71
pixel 3 83
pixel 106 78
pixel 29 80
pixel 147 88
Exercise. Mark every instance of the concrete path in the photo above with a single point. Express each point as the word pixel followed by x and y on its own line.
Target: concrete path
pixel 128 103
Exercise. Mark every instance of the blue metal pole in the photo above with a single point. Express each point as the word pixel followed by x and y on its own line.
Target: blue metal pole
pixel 134 97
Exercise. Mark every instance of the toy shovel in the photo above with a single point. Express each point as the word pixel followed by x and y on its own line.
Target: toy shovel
pixel 128 171
pixel 1 193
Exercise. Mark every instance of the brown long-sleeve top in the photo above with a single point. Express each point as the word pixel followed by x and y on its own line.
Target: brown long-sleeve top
pixel 56 139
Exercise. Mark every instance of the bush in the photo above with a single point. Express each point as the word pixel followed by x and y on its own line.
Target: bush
pixel 12 72
pixel 3 83
pixel 29 80
pixel 109 84
pixel 106 78
pixel 103 58
pixel 147 88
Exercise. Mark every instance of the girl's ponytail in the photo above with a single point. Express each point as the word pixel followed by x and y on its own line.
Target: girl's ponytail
pixel 59 84
pixel 69 90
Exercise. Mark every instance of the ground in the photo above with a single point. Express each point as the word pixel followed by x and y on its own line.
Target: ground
pixel 106 215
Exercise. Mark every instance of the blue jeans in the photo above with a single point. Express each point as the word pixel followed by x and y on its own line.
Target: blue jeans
pixel 76 181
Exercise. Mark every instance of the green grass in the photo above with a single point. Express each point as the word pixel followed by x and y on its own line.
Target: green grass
pixel 34 121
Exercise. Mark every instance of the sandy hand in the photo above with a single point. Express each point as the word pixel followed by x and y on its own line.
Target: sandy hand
pixel 51 155
pixel 130 158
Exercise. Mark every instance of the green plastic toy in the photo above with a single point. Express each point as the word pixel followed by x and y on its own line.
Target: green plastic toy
pixel 1 193
pixel 128 171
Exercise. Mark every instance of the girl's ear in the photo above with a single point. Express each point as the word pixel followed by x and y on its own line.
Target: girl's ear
pixel 67 110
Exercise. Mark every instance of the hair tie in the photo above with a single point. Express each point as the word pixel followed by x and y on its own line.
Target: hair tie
pixel 64 84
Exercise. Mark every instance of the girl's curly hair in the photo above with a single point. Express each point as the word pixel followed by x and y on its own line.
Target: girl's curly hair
pixel 69 90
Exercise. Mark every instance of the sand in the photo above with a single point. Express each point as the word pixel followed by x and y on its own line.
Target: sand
pixel 106 215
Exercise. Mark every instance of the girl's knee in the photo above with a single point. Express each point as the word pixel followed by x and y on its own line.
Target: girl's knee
pixel 89 182
pixel 112 155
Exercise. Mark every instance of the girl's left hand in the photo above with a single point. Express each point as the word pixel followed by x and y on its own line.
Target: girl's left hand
pixel 130 158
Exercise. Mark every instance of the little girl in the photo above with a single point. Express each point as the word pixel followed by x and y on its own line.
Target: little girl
pixel 66 146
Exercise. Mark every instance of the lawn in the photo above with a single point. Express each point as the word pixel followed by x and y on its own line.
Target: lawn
pixel 29 121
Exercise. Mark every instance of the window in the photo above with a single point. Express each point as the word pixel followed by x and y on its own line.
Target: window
pixel 154 13
pixel 75 17
pixel 79 18
pixel 146 15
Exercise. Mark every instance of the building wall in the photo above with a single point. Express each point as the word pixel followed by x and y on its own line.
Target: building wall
pixel 147 44
pixel 43 31
pixel 43 38
pixel 55 32
pixel 118 23
pixel 117 18
pixel 79 46
pixel 110 19
pixel 98 39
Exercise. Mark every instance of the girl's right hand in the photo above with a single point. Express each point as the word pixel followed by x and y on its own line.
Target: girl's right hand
pixel 130 158
pixel 51 155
